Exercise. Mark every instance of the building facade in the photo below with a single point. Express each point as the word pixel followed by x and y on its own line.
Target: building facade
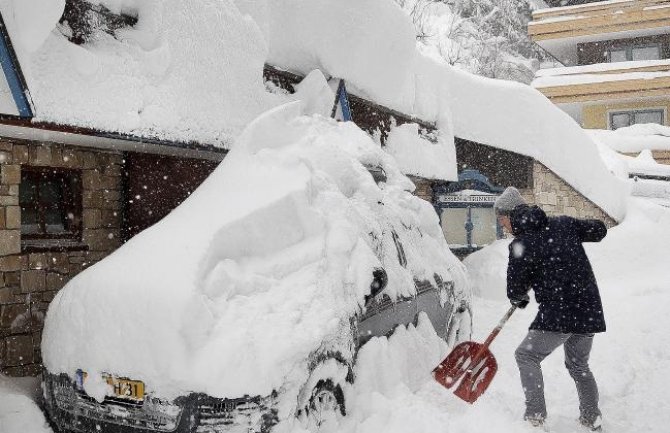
pixel 616 58
pixel 70 196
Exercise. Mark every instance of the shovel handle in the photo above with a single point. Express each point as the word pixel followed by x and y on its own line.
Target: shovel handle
pixel 498 328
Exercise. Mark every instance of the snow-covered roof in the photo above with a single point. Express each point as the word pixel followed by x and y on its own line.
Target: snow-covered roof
pixel 572 79
pixel 191 71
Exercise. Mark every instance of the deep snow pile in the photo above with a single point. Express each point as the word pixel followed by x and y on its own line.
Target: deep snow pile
pixel 267 260
pixel 502 114
pixel 634 138
pixel 643 139
pixel 394 391
pixel 631 358
pixel 183 73
pixel 18 412
pixel 202 79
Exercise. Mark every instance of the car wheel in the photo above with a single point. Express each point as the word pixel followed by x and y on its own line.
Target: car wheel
pixel 322 403
pixel 459 328
pixel 325 408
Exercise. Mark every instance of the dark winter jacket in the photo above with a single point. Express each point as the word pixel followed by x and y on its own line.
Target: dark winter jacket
pixel 547 256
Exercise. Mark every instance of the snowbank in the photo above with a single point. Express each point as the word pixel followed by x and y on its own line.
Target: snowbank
pixel 645 163
pixel 203 81
pixel 631 268
pixel 18 411
pixel 419 157
pixel 634 138
pixel 489 281
pixel 629 256
pixel 264 263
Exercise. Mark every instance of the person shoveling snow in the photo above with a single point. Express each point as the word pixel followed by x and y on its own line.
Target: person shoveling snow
pixel 547 256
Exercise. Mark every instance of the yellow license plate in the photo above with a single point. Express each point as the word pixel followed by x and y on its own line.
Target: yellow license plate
pixel 121 387
pixel 126 388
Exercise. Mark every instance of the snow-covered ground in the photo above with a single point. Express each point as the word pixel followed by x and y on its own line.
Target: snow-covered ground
pixel 630 361
pixel 395 393
pixel 18 411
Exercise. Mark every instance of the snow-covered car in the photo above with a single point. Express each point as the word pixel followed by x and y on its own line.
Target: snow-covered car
pixel 246 306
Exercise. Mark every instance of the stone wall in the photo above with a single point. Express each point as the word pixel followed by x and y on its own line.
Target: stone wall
pixel 556 197
pixel 30 275
pixel 424 188
pixel 661 156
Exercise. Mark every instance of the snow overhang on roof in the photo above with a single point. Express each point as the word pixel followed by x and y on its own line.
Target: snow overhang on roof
pixel 559 30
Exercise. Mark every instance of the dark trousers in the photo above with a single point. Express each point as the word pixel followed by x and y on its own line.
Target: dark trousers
pixel 538 345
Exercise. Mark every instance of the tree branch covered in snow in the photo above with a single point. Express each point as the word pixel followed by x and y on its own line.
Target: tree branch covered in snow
pixel 485 37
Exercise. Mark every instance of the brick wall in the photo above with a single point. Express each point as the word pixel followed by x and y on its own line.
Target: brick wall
pixel 31 277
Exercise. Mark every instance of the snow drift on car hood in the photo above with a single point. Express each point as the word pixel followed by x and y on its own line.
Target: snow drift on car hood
pixel 231 292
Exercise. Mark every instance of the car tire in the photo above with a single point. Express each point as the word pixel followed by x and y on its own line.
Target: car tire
pixel 322 402
pixel 459 327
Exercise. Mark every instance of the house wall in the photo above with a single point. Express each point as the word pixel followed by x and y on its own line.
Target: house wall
pixel 595 116
pixel 661 156
pixel 156 184
pixel 31 277
pixel 501 167
pixel 556 197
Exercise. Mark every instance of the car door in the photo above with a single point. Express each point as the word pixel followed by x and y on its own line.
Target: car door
pixel 382 313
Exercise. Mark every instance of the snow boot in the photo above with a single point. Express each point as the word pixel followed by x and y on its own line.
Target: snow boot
pixel 536 421
pixel 595 424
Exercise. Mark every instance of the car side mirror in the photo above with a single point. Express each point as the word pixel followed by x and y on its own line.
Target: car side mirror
pixel 379 281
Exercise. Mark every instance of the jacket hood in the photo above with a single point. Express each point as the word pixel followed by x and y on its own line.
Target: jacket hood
pixel 526 219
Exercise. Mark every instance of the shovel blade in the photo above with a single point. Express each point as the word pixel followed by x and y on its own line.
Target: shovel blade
pixel 477 378
pixel 455 365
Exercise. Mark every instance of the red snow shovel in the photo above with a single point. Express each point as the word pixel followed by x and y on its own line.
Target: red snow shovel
pixel 472 362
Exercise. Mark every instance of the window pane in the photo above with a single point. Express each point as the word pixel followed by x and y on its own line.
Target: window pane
pixel 29 222
pixel 619 120
pixel 618 55
pixel 50 202
pixel 483 226
pixel 51 191
pixel 27 190
pixel 649 117
pixel 53 219
pixel 647 53
pixel 453 225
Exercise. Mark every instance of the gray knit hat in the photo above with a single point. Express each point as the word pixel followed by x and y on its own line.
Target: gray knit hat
pixel 508 200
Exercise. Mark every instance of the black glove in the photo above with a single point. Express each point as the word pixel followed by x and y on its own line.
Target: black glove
pixel 520 302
